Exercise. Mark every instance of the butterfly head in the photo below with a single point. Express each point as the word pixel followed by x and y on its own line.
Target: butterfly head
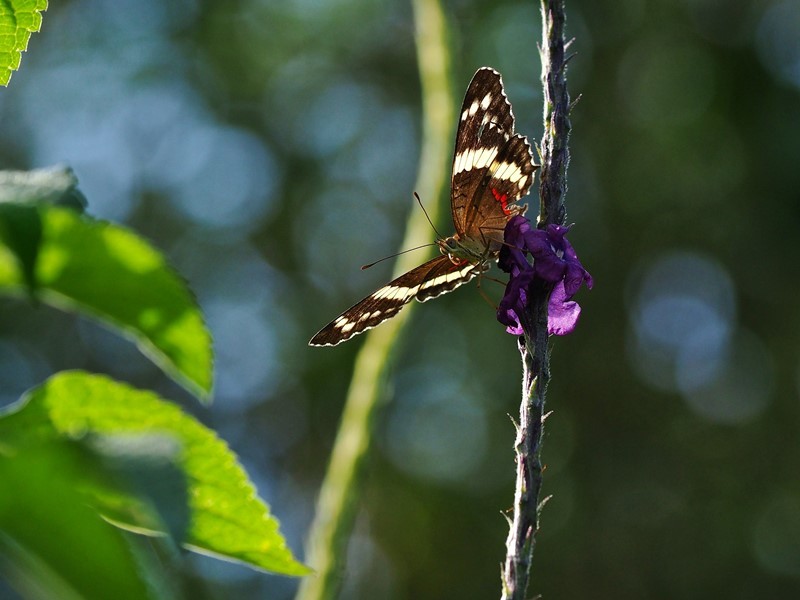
pixel 461 251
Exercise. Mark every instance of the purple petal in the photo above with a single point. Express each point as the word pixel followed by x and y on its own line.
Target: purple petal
pixel 549 267
pixel 569 251
pixel 562 314
pixel 575 275
pixel 512 322
pixel 556 234
pixel 573 278
pixel 514 301
pixel 508 314
pixel 512 256
pixel 547 263
pixel 536 242
pixel 516 228
pixel 512 260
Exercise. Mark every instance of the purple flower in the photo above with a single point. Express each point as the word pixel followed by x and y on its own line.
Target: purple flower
pixel 554 261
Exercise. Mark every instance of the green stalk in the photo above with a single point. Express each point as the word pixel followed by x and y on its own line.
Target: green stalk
pixel 337 505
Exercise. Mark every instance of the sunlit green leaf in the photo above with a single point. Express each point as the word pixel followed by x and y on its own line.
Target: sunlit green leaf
pixel 104 271
pixel 18 19
pixel 20 225
pixel 226 517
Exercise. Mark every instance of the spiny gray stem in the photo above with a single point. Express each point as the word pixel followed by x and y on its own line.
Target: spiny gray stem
pixel 533 344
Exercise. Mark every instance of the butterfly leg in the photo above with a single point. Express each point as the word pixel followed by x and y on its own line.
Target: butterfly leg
pixel 483 294
pixel 495 280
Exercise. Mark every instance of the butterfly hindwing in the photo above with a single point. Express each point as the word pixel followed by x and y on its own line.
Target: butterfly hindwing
pixel 427 281
pixel 507 180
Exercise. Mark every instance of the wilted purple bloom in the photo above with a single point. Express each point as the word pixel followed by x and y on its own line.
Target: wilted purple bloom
pixel 554 261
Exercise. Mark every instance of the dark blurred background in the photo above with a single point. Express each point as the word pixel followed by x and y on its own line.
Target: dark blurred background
pixel 270 149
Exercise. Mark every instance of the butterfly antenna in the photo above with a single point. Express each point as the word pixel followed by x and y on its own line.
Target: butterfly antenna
pixel 393 255
pixel 438 235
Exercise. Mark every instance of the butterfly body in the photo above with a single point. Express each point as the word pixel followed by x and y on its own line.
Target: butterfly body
pixel 492 169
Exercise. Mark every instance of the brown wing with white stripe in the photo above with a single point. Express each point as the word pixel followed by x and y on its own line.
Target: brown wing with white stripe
pixel 492 167
pixel 427 281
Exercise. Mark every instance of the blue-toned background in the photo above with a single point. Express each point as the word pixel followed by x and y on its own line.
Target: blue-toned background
pixel 270 149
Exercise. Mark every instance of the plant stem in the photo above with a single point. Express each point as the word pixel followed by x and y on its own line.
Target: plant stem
pixel 555 139
pixel 326 545
pixel 533 345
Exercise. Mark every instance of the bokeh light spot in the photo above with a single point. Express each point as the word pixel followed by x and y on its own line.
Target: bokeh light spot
pixel 778 42
pixel 436 431
pixel 776 535
pixel 665 82
pixel 682 318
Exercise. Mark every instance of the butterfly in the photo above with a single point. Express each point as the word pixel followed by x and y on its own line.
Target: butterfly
pixel 492 169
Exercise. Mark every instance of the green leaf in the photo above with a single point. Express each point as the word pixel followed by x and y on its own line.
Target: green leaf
pixel 20 225
pixel 54 544
pixel 226 517
pixel 104 271
pixel 21 232
pixel 18 19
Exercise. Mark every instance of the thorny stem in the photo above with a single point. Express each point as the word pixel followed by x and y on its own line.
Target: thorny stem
pixel 533 344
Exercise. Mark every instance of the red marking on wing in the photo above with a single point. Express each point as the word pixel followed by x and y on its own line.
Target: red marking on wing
pixel 502 199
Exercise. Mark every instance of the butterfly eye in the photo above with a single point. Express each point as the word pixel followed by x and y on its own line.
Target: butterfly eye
pixel 448 246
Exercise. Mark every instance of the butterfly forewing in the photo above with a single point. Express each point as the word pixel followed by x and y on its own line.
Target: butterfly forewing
pixel 492 169
pixel 423 283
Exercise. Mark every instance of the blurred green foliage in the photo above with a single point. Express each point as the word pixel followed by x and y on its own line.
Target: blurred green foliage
pixel 165 473
pixel 269 149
